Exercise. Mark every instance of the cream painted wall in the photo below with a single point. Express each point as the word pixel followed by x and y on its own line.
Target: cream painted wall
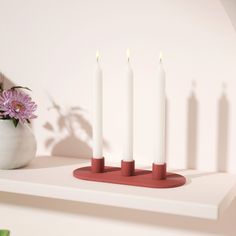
pixel 50 46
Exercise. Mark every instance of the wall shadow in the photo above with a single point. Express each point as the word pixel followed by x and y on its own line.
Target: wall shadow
pixel 192 128
pixel 223 130
pixel 230 7
pixel 5 81
pixel 64 139
pixel 42 162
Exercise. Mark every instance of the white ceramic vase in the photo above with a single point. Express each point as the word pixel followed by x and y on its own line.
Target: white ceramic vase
pixel 17 145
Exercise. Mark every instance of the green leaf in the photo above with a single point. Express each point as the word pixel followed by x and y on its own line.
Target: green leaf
pixel 4 232
pixel 15 122
pixel 20 87
pixel 1 87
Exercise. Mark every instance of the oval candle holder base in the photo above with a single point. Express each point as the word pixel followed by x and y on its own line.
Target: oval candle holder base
pixel 140 177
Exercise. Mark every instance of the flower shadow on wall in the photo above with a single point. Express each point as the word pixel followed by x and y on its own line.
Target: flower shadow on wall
pixel 71 135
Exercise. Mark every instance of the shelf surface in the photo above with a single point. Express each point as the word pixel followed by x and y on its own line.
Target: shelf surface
pixel 205 195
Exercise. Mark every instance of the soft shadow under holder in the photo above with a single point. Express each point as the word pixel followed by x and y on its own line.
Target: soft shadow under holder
pixel 128 175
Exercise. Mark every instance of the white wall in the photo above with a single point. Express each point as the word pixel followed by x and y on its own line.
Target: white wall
pixel 50 46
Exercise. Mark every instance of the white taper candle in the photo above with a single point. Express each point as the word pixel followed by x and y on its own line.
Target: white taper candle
pixel 97 111
pixel 159 115
pixel 128 111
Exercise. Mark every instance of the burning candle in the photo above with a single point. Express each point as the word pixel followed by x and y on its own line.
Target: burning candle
pixel 128 111
pixel 159 115
pixel 97 111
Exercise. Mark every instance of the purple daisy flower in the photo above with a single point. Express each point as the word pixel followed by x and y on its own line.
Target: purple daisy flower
pixel 18 105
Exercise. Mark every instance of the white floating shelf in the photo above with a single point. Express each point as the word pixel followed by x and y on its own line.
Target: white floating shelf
pixel 205 195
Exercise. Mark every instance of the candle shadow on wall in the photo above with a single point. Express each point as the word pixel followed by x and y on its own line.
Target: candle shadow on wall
pixel 66 135
pixel 192 128
pixel 223 130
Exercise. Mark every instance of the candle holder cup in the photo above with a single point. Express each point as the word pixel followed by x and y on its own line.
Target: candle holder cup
pixel 97 165
pixel 159 171
pixel 127 168
pixel 128 175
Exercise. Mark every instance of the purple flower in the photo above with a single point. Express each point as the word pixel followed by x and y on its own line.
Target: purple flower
pixel 18 105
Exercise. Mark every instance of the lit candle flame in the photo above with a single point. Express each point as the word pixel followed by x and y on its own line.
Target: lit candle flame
pixel 97 55
pixel 160 56
pixel 128 54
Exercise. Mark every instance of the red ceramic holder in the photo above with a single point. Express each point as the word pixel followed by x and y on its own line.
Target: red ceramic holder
pixel 97 165
pixel 159 171
pixel 127 168
pixel 128 175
